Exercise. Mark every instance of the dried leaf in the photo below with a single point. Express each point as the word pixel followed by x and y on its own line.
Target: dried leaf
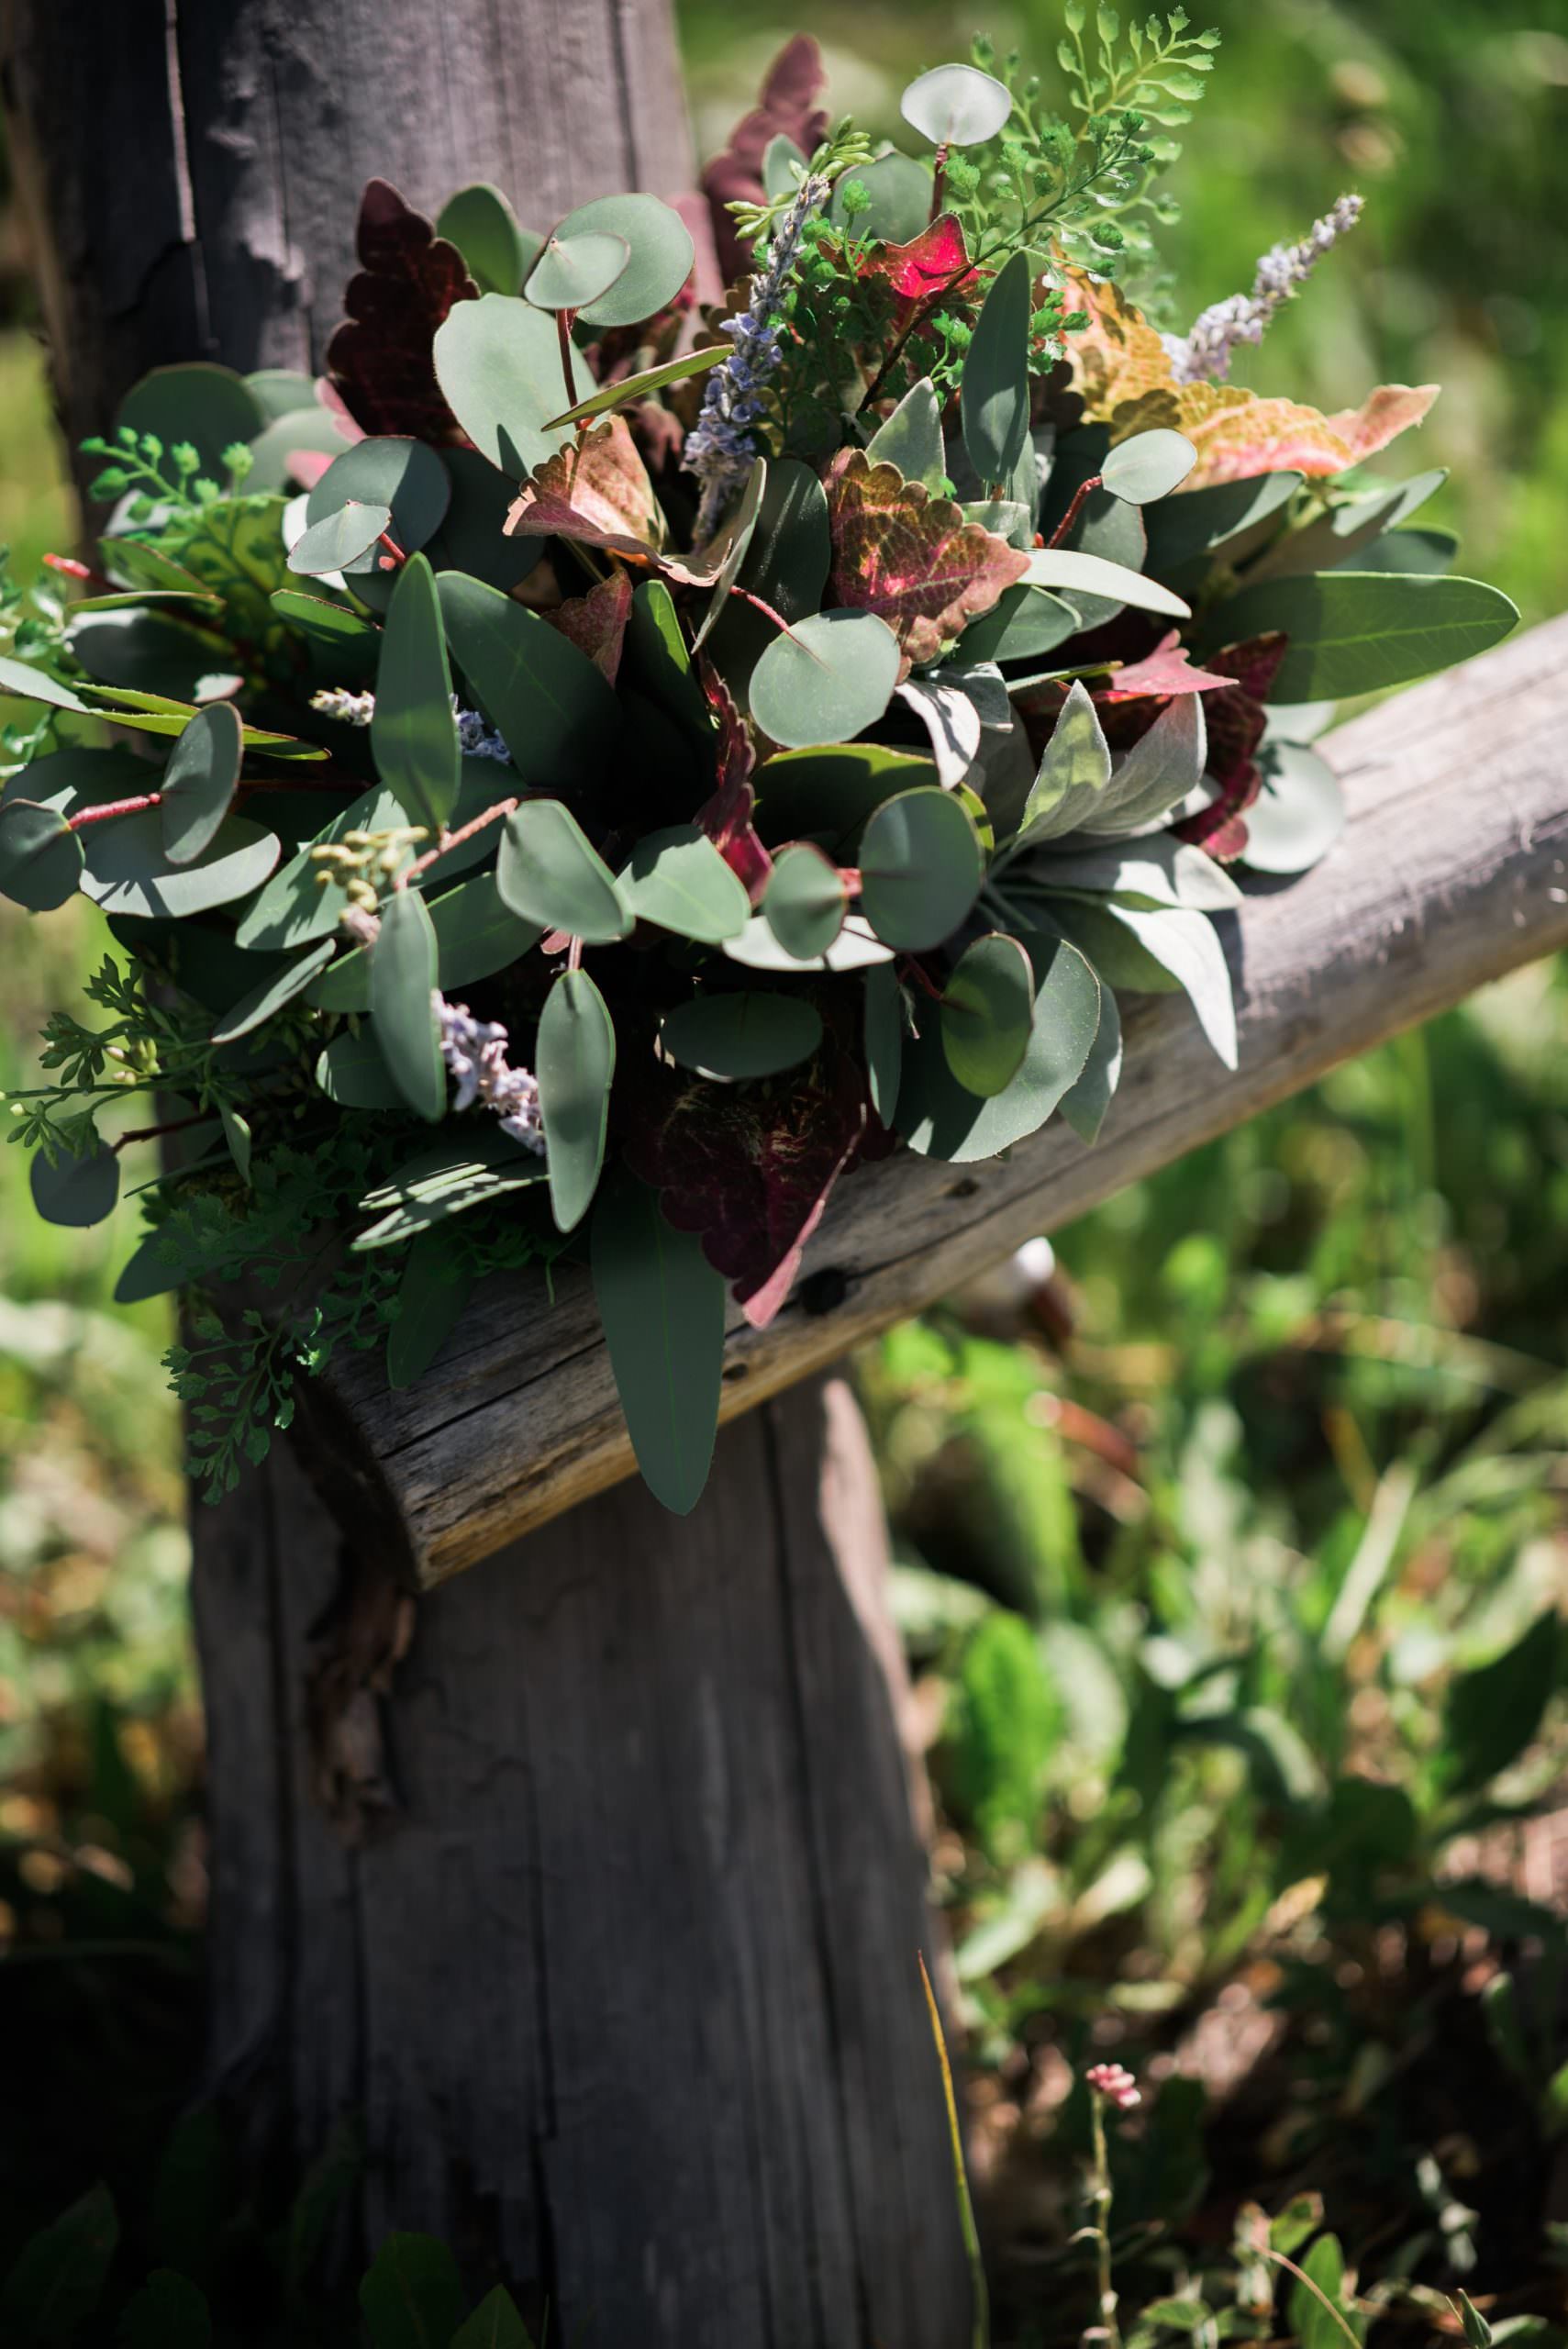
pixel 1235 720
pixel 787 105
pixel 379 360
pixel 596 623
pixel 909 557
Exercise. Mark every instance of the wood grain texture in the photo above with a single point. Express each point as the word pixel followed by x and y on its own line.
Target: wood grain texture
pixel 1453 869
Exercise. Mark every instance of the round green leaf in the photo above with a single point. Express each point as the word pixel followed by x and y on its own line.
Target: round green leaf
pixel 306 431
pixel 473 538
pixel 995 392
pixel 571 272
pixel 575 1060
pixel 198 781
pixel 548 871
pixel 403 475
pixel 402 1013
pixel 899 187
pixel 745 1035
pixel 805 901
pixel 127 871
pixel 76 1191
pixel 210 407
pixel 941 1118
pixel 987 1013
pixel 498 364
pixel 661 256
pixel 1149 466
pixel 340 541
pixel 920 869
pixel 1299 813
pixel 956 105
pixel 281 391
pixel 352 1071
pixel 483 226
pixel 827 681
pixel 413 736
pixel 677 878
pixel 40 856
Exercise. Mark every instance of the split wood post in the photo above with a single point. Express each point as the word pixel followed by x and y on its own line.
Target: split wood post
pixel 618 1974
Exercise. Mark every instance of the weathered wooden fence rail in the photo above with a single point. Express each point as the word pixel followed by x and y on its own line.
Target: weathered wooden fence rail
pixel 1453 869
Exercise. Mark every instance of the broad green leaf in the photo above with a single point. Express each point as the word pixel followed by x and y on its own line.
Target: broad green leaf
pixel 293 909
pixel 827 681
pixel 828 794
pixel 40 856
pixel 1477 2331
pixel 483 226
pixel 199 782
pixel 922 867
pixel 1491 1714
pixel 1419 551
pixel 494 2324
pixel 956 105
pixel 405 476
pixel 472 537
pixel 333 623
pixel 785 566
pixel 430 1299
pixel 556 711
pixel 805 901
pixel 210 407
pixel 571 272
pixel 479 1163
pixel 1358 632
pixel 1074 772
pixel 750 1034
pixel 278 988
pixel 340 539
pixel 1157 871
pixel 402 1013
pixel 940 1119
pixel 987 1013
pixel 1154 953
pixel 1023 624
pixel 549 873
pixel 352 1071
pixel 1069 570
pixel 167 2313
pixel 414 735
pixel 854 949
pixel 1202 522
pixel 75 1191
pixel 127 871
pixel 308 430
pixel 412 2297
pixel 662 1305
pixel 59 2275
pixel 1315 2326
pixel 995 392
pixel 1149 466
pixel 498 364
pixel 1331 540
pixel 574 1061
pixel 882 1035
pixel 478 934
pixel 677 879
pixel 1298 814
pixel 629 388
pixel 911 439
pixel 1086 1101
pixel 899 187
pixel 661 256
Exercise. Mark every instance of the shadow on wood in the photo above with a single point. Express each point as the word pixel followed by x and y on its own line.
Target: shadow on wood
pixel 1453 869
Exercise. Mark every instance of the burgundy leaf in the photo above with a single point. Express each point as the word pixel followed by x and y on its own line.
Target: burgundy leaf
pixel 787 103
pixel 936 262
pixel 379 359
pixel 1236 719
pixel 596 623
pixel 726 818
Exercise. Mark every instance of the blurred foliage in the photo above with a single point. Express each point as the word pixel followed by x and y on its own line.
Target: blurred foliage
pixel 1232 1569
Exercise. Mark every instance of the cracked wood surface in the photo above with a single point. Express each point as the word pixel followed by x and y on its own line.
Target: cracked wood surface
pixel 1453 869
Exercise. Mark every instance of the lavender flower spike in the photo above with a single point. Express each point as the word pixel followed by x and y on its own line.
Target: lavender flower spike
pixel 475 1053
pixel 1203 355
pixel 476 739
pixel 721 448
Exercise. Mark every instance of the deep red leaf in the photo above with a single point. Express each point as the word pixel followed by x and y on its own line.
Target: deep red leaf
pixel 1235 719
pixel 787 103
pixel 379 359
pixel 596 623
pixel 726 818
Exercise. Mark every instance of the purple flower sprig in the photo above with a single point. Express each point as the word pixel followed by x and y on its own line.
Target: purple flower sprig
pixel 721 447
pixel 475 1053
pixel 1203 355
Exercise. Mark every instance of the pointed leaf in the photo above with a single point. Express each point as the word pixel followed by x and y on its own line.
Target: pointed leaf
pixel 495 2323
pixel 1148 467
pixel 575 1061
pixel 1357 631
pixel 987 1012
pixel 1066 568
pixel 994 393
pixel 662 1305
pixel 627 389
pixel 1153 953
pixel 548 872
pixel 403 1015
pixel 678 879
pixel 940 1119
pixel 557 714
pixel 413 736
pixel 199 782
pixel 911 439
pixel 1074 772
pixel 278 988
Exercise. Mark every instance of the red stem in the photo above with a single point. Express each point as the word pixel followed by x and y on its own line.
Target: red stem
pixel 939 182
pixel 155 1133
pixel 910 969
pixel 453 839
pixel 1080 497
pixel 564 322
pixel 116 808
pixel 386 540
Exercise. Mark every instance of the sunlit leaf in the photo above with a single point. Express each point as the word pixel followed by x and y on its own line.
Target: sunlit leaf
pixel 199 784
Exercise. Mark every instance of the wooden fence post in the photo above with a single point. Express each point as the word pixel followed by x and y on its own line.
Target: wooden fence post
pixel 616 1963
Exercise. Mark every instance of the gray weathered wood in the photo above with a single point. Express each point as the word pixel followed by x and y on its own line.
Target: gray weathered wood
pixel 616 1972
pixel 1453 869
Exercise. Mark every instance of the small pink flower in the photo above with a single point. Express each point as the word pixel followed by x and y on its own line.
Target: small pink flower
pixel 1115 2083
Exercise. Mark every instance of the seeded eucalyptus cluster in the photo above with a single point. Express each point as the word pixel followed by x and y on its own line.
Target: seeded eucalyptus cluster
pixel 616 752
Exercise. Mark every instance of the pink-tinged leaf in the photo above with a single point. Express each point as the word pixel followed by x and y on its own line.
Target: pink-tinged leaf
pixel 726 818
pixel 749 1169
pixel 787 104
pixel 1235 721
pixel 304 467
pixel 379 360
pixel 596 623
pixel 935 262
pixel 1382 416
pixel 596 491
pixel 909 557
pixel 1167 669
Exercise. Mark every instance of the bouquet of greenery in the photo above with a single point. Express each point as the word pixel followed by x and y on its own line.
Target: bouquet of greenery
pixel 635 750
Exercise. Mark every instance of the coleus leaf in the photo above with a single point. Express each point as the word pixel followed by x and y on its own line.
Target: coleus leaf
pixel 409 279
pixel 1169 669
pixel 596 622
pixel 1235 721
pixel 935 262
pixel 911 558
pixel 596 491
pixel 787 105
